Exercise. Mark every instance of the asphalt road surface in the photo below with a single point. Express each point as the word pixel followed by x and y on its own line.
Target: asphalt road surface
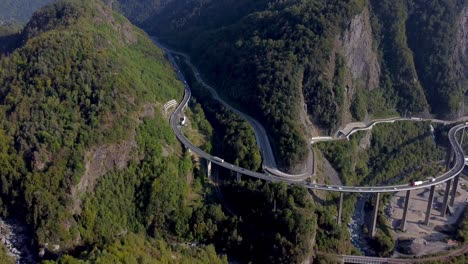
pixel 270 171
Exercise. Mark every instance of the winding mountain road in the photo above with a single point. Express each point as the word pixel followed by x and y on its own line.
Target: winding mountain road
pixel 263 142
pixel 272 174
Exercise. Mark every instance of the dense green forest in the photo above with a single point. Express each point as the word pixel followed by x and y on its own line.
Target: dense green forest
pixel 278 222
pixel 91 164
pixel 263 54
pixel 432 23
pixel 80 84
pixel 232 136
pixel 418 39
pixel 84 81
pixel 261 73
pixel 135 248
pixel 399 69
pixel 276 206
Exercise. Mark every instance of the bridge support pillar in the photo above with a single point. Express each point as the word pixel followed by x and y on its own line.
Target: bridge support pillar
pixel 208 168
pixel 443 210
pixel 454 189
pixel 462 137
pixel 429 205
pixel 238 177
pixel 405 211
pixel 374 218
pixel 449 157
pixel 340 209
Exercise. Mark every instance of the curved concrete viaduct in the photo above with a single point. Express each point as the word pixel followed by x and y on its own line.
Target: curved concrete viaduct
pixel 454 166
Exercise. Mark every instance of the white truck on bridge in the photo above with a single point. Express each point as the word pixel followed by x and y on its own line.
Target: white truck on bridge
pixel 416 183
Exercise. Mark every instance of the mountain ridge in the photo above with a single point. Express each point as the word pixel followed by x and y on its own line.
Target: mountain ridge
pixel 82 81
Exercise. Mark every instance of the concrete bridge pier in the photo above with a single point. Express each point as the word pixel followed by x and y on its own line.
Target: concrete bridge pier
pixel 443 210
pixel 208 168
pixel 374 218
pixel 239 177
pixel 454 189
pixel 340 209
pixel 405 211
pixel 448 159
pixel 462 137
pixel 429 205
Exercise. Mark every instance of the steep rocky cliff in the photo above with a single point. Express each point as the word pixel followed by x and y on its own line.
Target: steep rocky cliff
pixel 361 58
pixel 361 67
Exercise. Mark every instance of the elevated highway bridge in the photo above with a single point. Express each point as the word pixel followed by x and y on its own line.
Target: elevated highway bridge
pixel 455 162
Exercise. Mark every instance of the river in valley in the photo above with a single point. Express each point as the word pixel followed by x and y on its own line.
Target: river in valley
pixel 356 225
pixel 17 239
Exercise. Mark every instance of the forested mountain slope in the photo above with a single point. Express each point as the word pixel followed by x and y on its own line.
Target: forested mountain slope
pixel 249 57
pixel 337 61
pixel 87 158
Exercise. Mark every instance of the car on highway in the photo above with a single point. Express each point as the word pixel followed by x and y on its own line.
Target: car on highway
pixel 220 160
pixel 340 188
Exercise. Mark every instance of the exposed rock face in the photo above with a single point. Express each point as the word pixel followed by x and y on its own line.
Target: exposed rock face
pixel 355 45
pixel 362 67
pixel 40 159
pixel 99 161
pixel 361 59
pixel 365 142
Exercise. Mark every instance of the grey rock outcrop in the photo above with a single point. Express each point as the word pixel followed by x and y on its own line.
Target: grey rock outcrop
pixel 361 59
pixel 355 45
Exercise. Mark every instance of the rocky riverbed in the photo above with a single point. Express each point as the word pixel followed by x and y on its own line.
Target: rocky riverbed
pixel 18 240
pixel 358 237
